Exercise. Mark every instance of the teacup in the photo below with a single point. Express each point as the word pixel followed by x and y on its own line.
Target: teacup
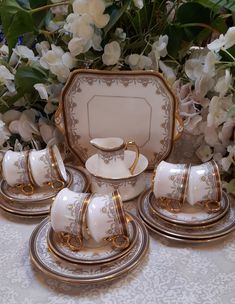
pixel 128 187
pixel 204 186
pixel 106 220
pixel 170 185
pixel 68 216
pixel 15 171
pixel 110 160
pixel 46 167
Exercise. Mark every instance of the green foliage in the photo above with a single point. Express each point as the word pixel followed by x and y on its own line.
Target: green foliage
pixel 26 77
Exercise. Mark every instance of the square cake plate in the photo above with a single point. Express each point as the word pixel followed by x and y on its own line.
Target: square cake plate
pixel 133 105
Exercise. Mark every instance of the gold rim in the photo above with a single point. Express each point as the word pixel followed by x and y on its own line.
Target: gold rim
pixel 117 73
pixel 118 271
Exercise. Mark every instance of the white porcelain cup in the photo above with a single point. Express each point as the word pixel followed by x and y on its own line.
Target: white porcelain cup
pixel 15 171
pixel 68 215
pixel 47 168
pixel 170 185
pixel 204 186
pixel 110 157
pixel 106 220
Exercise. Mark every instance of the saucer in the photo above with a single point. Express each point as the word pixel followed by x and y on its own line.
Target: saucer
pixel 40 207
pixel 40 193
pixel 221 227
pixel 57 268
pixel 89 255
pixel 189 215
pixel 183 240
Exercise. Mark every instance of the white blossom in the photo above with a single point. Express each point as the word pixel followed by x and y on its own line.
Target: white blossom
pixel 41 88
pixel 7 78
pixel 224 41
pixel 139 3
pixel 223 83
pixel 120 34
pixel 58 62
pixel 4 133
pixel 226 162
pixel 168 72
pixel 138 62
pixel 204 153
pixel 112 53
pixel 159 49
pixel 24 52
pixel 218 109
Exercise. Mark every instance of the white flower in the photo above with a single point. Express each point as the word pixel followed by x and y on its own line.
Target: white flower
pixel 168 72
pixel 42 48
pixel 224 41
pixel 58 62
pixel 11 115
pixel 159 49
pixel 7 78
pixel 112 53
pixel 49 132
pixel 201 68
pixel 120 34
pixel 24 52
pixel 223 83
pixel 226 162
pixel 4 133
pixel 138 62
pixel 218 109
pixel 26 125
pixel 78 45
pixel 139 3
pixel 41 88
pixel 204 153
pixel 81 26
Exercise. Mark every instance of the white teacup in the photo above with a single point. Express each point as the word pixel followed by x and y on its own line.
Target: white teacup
pixel 46 167
pixel 110 157
pixel 106 220
pixel 170 185
pixel 68 215
pixel 204 186
pixel 15 171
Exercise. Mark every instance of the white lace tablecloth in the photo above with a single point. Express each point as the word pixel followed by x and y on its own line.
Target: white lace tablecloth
pixel 170 273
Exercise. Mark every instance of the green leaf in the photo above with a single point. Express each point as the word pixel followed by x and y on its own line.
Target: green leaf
pixel 24 3
pixel 115 14
pixel 176 39
pixel 229 4
pixel 16 21
pixel 193 12
pixel 8 102
pixel 26 77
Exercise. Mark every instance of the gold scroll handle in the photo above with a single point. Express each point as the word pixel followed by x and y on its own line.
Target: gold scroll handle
pixel 137 155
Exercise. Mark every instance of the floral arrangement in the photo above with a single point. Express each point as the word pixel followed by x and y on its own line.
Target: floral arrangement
pixel 191 42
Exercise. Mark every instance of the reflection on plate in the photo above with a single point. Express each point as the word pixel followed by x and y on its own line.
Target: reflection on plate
pixel 182 240
pixel 222 227
pixel 91 255
pixel 189 215
pixel 60 269
pixel 113 103
pixel 78 183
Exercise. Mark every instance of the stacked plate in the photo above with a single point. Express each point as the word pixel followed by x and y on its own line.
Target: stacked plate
pixel 192 225
pixel 92 264
pixel 39 203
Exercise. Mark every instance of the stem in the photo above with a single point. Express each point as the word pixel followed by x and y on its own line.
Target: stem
pixel 230 55
pixel 46 7
pixel 201 25
pixel 139 21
